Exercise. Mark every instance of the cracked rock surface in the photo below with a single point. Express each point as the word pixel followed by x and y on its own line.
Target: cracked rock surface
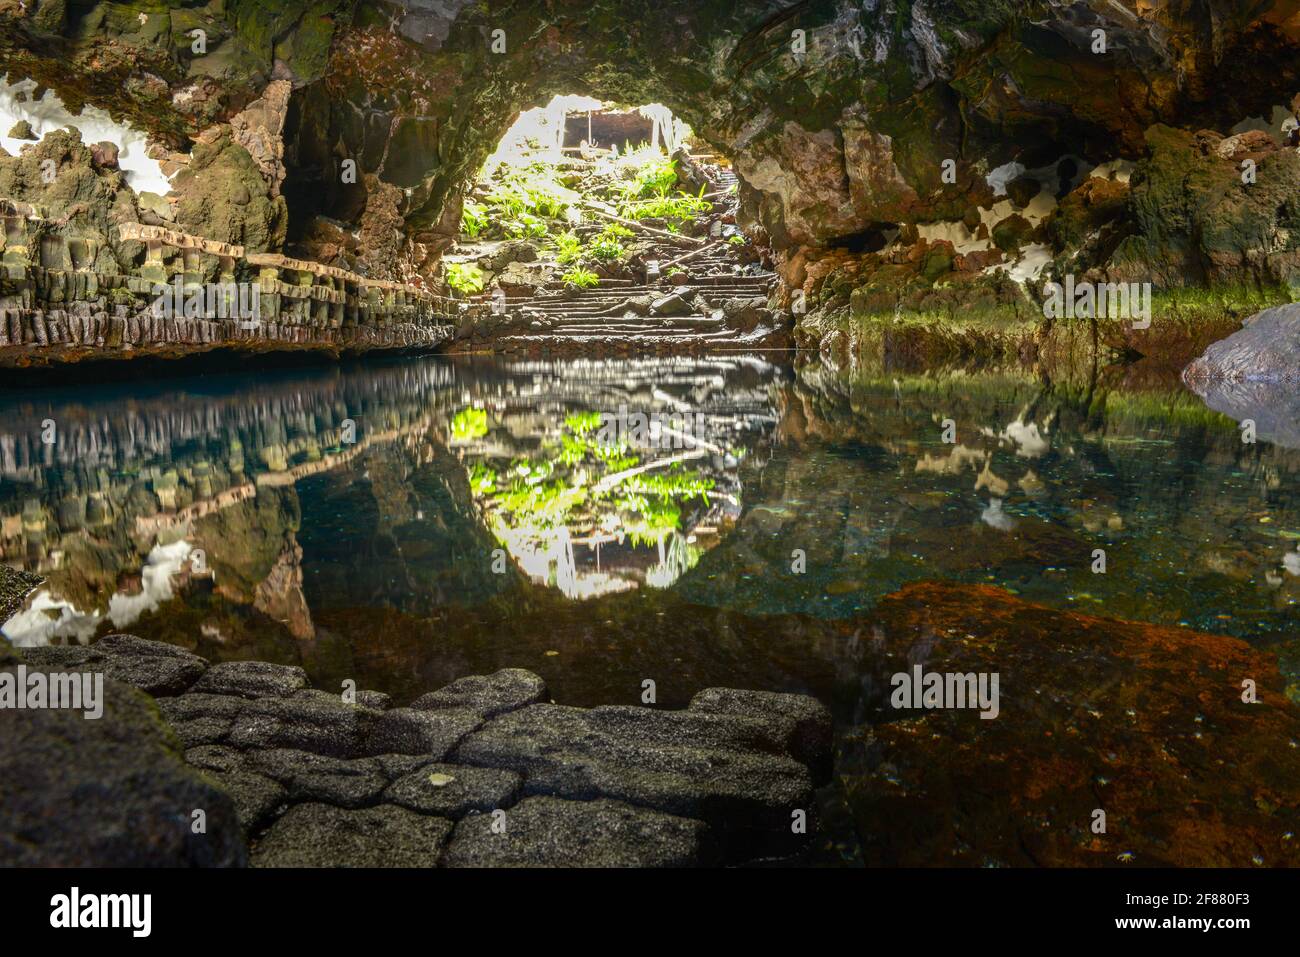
pixel 484 772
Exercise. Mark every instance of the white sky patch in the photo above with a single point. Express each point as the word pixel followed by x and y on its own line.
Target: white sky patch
pixel 962 239
pixel 47 619
pixel 37 625
pixel 1117 169
pixel 48 114
pixel 1291 562
pixel 1042 205
pixel 1033 260
pixel 1000 177
pixel 1030 443
pixel 164 561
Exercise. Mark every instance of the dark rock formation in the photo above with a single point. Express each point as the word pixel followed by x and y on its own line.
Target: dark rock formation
pixel 111 791
pixel 489 695
pixel 322 835
pixel 14 586
pixel 1252 374
pixel 550 832
pixel 477 774
pixel 844 123
pixel 1266 350
pixel 222 194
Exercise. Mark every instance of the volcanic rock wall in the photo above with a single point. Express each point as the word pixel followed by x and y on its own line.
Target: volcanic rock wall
pixel 924 151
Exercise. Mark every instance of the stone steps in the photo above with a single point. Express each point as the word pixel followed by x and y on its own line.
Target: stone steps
pixel 312 780
pixel 647 325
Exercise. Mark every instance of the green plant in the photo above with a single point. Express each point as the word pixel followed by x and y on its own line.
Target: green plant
pixel 680 207
pixel 532 192
pixel 525 226
pixel 656 177
pixel 482 479
pixel 737 240
pixel 568 248
pixel 608 244
pixel 582 278
pixel 473 219
pixel 465 278
pixel 580 423
pixel 468 425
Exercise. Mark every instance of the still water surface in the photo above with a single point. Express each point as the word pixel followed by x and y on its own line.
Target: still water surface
pixel 334 517
pixel 698 522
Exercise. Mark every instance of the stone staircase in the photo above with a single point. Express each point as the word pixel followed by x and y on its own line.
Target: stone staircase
pixel 725 178
pixel 592 321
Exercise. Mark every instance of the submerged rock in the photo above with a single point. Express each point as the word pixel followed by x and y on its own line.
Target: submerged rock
pixel 1144 723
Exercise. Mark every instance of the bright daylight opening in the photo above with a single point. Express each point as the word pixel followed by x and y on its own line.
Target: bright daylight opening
pixel 620 205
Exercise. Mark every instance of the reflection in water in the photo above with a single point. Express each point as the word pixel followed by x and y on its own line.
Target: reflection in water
pixel 722 522
pixel 1141 505
pixel 244 502
pixel 49 619
pixel 612 475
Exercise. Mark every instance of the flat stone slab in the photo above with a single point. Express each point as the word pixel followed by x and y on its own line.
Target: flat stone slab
pixel 156 668
pixel 506 690
pixel 552 832
pixel 374 700
pixel 407 731
pixel 336 730
pixel 314 777
pixel 319 835
pixel 253 679
pixel 709 767
pixel 313 780
pixel 454 790
pixel 790 723
pixel 257 797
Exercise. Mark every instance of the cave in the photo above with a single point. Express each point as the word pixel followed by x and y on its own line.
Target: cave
pixel 728 433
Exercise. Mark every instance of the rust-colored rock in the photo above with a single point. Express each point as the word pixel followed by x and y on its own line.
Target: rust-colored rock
pixel 1142 722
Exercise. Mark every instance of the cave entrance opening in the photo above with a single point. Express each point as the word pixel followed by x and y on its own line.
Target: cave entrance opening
pixel 581 192
pixel 598 226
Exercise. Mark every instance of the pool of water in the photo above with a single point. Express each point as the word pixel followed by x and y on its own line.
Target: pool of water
pixel 697 522
pixel 301 515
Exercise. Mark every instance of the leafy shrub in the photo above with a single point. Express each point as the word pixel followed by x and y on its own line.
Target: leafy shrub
pixel 582 278
pixel 473 219
pixel 568 248
pixel 465 278
pixel 525 226
pixel 656 177
pixel 468 425
pixel 679 208
pixel 608 245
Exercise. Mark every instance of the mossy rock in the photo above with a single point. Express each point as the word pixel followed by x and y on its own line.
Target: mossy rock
pixel 1012 233
pixel 22 130
pixel 224 198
